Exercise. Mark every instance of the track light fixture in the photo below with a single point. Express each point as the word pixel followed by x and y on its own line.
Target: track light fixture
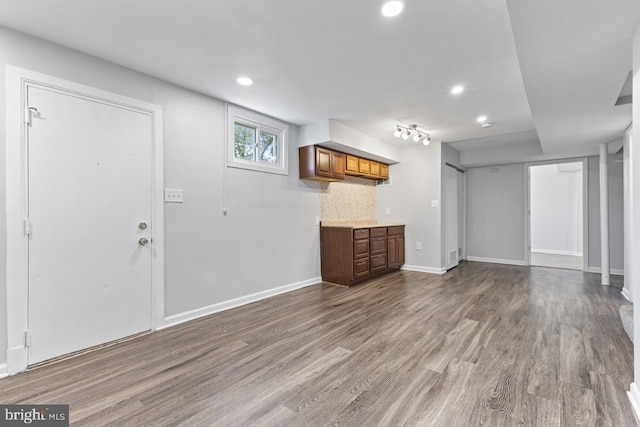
pixel 406 131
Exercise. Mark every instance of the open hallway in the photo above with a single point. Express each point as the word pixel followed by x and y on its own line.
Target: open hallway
pixel 484 344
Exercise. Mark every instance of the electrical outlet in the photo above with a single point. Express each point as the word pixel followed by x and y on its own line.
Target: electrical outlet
pixel 387 211
pixel 173 195
pixel 494 170
pixel 435 203
pixel 418 246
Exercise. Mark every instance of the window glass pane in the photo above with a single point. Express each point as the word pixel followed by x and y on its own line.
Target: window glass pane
pixel 244 142
pixel 268 147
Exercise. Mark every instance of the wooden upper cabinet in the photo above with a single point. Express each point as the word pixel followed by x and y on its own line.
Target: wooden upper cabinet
pixel 321 164
pixel 338 164
pixel 375 169
pixel 352 164
pixel 364 166
pixel 384 171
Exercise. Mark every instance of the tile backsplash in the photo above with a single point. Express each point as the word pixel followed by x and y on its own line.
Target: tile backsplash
pixel 353 199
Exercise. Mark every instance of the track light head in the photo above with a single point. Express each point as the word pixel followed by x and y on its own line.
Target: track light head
pixel 417 137
pixel 405 135
pixel 426 140
pixel 397 132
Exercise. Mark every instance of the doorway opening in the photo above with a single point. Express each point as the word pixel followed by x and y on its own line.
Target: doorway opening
pixel 557 215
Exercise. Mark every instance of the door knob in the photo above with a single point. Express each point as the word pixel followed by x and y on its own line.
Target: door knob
pixel 143 241
pixel 142 226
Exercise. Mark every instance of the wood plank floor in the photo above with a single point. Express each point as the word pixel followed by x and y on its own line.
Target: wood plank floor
pixel 482 345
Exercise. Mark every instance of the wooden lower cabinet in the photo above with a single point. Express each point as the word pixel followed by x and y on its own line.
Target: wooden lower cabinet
pixel 352 255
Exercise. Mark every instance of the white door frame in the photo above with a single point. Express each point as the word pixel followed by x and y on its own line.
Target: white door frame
pixel 18 79
pixel 585 206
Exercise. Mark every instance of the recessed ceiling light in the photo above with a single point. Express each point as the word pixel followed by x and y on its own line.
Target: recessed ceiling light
pixel 486 125
pixel 457 89
pixel 481 119
pixel 392 8
pixel 244 81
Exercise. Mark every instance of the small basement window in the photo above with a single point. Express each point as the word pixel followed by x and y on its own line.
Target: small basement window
pixel 257 142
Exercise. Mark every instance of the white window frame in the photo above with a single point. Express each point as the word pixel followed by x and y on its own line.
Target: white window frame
pixel 263 123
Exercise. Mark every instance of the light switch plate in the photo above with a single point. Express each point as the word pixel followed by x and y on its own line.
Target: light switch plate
pixel 418 246
pixel 435 203
pixel 387 211
pixel 173 195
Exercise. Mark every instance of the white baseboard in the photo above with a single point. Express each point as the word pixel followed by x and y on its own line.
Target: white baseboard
pixel 496 260
pixel 422 269
pixel 4 370
pixel 552 252
pixel 614 271
pixel 626 294
pixel 176 319
pixel 634 398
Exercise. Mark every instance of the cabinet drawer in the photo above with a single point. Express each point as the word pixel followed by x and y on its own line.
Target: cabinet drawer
pixel 378 245
pixel 378 231
pixel 396 231
pixel 361 233
pixel 378 262
pixel 361 267
pixel 360 248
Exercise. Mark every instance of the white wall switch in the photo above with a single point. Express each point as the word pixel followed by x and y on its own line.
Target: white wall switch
pixel 317 220
pixel 418 246
pixel 435 203
pixel 387 211
pixel 173 195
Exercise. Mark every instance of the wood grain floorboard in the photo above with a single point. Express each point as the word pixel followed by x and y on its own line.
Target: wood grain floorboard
pixel 482 345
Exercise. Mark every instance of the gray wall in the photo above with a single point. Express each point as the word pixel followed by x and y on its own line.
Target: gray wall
pixel 495 213
pixel 616 212
pixel 415 182
pixel 271 217
pixel 496 205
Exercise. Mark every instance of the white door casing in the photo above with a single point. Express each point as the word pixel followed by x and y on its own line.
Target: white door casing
pixel 87 238
pixel 451 220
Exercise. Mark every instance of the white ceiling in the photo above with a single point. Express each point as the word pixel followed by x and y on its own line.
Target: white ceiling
pixel 312 60
pixel 575 56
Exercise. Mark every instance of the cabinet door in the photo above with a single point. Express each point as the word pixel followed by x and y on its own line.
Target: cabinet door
pixel 400 250
pixel 384 171
pixel 352 164
pixel 338 165
pixel 323 162
pixel 392 250
pixel 364 166
pixel 374 168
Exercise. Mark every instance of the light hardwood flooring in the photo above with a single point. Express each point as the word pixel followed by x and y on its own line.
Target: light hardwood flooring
pixel 483 344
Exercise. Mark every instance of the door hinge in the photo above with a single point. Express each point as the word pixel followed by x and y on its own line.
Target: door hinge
pixel 28 227
pixel 27 339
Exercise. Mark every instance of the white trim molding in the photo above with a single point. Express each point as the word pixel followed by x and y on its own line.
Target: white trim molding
pixel 552 252
pixel 17 282
pixel 497 261
pixel 614 271
pixel 634 398
pixel 177 319
pixel 421 269
pixel 626 294
pixel 4 370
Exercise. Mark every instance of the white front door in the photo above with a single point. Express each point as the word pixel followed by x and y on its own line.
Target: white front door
pixel 89 189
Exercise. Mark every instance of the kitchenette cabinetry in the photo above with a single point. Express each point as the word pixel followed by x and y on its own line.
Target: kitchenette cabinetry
pixel 322 164
pixel 350 255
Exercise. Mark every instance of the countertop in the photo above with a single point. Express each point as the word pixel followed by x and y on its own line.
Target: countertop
pixel 359 224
